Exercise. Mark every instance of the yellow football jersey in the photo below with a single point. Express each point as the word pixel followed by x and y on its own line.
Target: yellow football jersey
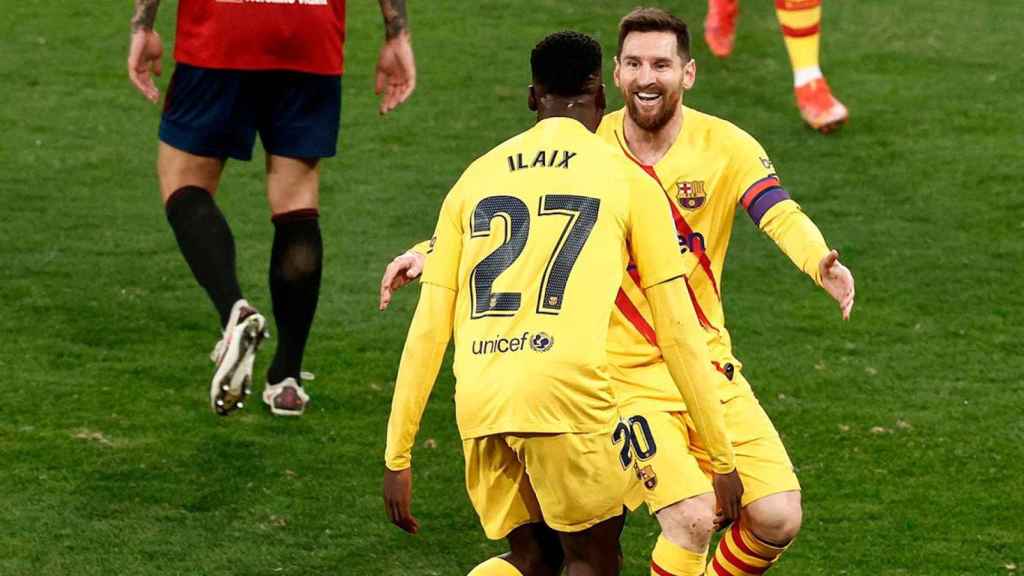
pixel 533 239
pixel 712 168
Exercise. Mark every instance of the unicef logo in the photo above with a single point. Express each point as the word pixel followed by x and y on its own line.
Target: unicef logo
pixel 541 342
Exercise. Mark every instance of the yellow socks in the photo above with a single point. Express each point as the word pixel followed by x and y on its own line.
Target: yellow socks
pixel 740 553
pixel 667 559
pixel 495 567
pixel 801 28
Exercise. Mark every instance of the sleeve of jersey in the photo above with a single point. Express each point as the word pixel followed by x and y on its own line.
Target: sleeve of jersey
pixel 753 178
pixel 422 248
pixel 425 344
pixel 686 354
pixel 653 241
pixel 797 237
pixel 445 248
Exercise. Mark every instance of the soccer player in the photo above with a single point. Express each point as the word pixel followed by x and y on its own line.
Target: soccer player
pixel 279 74
pixel 800 21
pixel 525 264
pixel 706 166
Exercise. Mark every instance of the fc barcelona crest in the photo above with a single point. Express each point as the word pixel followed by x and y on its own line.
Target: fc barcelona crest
pixel 690 194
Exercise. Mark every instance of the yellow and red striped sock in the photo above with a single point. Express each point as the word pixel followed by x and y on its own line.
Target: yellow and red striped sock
pixel 740 553
pixel 495 567
pixel 801 28
pixel 667 559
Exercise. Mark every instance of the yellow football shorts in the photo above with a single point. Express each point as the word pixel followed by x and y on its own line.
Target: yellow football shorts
pixel 569 481
pixel 670 463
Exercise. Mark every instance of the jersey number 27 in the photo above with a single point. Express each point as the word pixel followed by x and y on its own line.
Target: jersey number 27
pixel 581 213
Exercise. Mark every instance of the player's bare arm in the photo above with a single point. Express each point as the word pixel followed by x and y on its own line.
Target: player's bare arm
pixel 396 67
pixel 145 50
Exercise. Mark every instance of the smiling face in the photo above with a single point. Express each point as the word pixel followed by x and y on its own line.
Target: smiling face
pixel 652 76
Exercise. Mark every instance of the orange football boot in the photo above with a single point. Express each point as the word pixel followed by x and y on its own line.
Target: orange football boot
pixel 819 108
pixel 720 26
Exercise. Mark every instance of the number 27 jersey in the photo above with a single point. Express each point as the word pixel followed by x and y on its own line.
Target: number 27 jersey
pixel 534 238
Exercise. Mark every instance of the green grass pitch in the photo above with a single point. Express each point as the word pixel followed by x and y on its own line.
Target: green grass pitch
pixel 905 423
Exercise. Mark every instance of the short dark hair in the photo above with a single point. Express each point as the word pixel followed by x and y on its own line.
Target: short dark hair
pixel 656 20
pixel 566 63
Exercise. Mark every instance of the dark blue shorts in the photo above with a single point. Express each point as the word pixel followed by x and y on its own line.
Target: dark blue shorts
pixel 210 112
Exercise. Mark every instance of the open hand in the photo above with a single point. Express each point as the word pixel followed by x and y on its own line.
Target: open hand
pixel 837 280
pixel 396 72
pixel 144 55
pixel 401 271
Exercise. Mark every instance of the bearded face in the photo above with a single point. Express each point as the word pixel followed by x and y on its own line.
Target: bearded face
pixel 652 76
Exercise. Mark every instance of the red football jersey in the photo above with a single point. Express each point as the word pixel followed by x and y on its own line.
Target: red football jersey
pixel 302 35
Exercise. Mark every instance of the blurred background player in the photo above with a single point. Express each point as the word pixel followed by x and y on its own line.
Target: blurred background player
pixel 278 75
pixel 800 21
pixel 525 263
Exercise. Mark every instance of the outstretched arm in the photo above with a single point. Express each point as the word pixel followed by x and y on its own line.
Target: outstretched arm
pixel 145 50
pixel 425 344
pixel 798 237
pixel 396 66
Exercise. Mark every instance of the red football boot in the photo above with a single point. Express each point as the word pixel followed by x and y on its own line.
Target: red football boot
pixel 819 108
pixel 720 26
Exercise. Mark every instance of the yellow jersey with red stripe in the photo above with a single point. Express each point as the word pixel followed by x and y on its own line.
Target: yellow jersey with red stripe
pixel 711 168
pixel 534 238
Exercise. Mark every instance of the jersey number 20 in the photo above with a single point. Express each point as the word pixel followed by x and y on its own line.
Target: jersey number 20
pixel 581 213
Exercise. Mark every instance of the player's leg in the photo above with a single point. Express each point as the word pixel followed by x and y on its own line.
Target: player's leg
pixel 801 28
pixel 296 264
pixel 579 485
pixel 503 498
pixel 298 125
pixel 203 123
pixel 720 26
pixel 534 550
pixel 595 550
pixel 675 489
pixel 771 505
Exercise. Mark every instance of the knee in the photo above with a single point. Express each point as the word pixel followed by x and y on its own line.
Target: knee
pixel 689 523
pixel 776 519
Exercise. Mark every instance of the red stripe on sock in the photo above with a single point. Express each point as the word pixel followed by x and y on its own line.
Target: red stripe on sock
pixel 800 32
pixel 797 4
pixel 738 539
pixel 659 570
pixel 718 568
pixel 723 546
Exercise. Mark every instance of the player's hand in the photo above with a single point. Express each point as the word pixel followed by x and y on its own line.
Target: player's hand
pixel 401 271
pixel 837 280
pixel 396 72
pixel 398 498
pixel 728 493
pixel 144 55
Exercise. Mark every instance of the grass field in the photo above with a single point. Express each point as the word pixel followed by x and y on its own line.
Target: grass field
pixel 905 423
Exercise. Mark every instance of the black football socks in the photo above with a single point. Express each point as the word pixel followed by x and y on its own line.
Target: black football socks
pixel 296 263
pixel 206 243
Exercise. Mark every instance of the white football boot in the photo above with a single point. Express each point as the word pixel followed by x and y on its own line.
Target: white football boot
pixel 287 397
pixel 234 356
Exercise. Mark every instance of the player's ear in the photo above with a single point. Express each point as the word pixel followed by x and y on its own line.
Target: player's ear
pixel 689 74
pixel 600 100
pixel 532 100
pixel 615 72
